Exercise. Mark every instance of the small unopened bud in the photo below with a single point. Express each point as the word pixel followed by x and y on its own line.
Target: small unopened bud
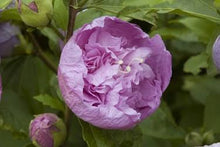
pixel 216 52
pixel 47 130
pixel 193 139
pixel 208 137
pixel 37 13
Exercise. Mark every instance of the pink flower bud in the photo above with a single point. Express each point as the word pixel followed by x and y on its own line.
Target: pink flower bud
pixel 47 130
pixel 216 52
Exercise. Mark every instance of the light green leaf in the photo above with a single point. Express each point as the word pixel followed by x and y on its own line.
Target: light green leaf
pixel 96 137
pixel 60 14
pixel 50 101
pixel 217 3
pixel 196 63
pixel 4 3
pixel 205 27
pixel 161 125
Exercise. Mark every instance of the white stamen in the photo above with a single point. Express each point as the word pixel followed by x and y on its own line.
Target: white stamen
pixel 120 62
pixel 141 60
pixel 128 68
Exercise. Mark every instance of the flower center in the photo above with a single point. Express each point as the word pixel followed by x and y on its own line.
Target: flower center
pixel 127 67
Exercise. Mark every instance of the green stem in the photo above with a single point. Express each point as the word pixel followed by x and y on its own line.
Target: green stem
pixel 60 35
pixel 72 17
pixel 42 55
pixel 71 23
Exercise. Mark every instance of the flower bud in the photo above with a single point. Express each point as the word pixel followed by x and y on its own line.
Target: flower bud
pixel 47 130
pixel 8 38
pixel 194 139
pixel 208 137
pixel 216 52
pixel 37 13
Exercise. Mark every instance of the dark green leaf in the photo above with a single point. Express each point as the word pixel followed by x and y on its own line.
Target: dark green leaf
pixel 201 87
pixel 180 33
pixel 28 76
pixel 14 111
pixel 212 111
pixel 161 125
pixel 96 137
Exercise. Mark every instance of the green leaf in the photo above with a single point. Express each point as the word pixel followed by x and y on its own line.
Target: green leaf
pixel 53 39
pixel 180 33
pixel 4 3
pixel 139 14
pixel 14 112
pixel 87 16
pixel 50 101
pixel 10 14
pixel 7 140
pixel 60 14
pixel 212 111
pixel 127 12
pixel 161 125
pixel 155 142
pixel 28 76
pixel 201 87
pixel 196 63
pixel 17 134
pixel 96 137
pixel 205 27
pixel 197 8
pixel 145 2
pixel 217 3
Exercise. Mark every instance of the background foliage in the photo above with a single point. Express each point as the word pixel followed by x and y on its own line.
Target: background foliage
pixel 190 104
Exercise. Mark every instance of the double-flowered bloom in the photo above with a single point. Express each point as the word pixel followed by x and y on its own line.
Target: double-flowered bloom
pixel 112 74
